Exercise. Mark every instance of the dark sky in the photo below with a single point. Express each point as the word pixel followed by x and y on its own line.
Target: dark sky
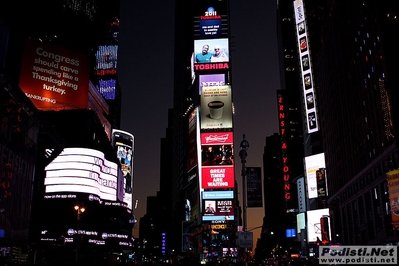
pixel 145 67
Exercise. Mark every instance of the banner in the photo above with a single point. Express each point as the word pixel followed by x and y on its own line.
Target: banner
pixel 254 187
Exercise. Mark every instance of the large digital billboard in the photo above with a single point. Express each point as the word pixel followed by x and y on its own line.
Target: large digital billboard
pixel 316 228
pixel 81 170
pixel 107 58
pixel 211 21
pixel 313 166
pixel 307 76
pixel 107 88
pixel 216 107
pixel 211 80
pixel 53 77
pixel 217 160
pixel 123 143
pixel 217 205
pixel 211 51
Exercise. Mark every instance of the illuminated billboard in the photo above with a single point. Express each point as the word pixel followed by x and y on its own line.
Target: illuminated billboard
pixel 211 51
pixel 107 57
pixel 107 88
pixel 313 164
pixel 217 160
pixel 316 225
pixel 216 109
pixel 217 205
pixel 53 77
pixel 81 170
pixel 211 80
pixel 211 21
pixel 393 189
pixel 123 143
pixel 306 67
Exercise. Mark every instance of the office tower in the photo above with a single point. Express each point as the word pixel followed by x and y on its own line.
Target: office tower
pixel 56 60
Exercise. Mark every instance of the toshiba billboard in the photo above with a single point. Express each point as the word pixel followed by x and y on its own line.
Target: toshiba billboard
pixel 54 77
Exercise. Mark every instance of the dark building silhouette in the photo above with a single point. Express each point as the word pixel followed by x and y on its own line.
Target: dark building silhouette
pixel 40 134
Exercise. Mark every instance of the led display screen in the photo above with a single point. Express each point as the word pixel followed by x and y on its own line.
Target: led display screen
pixel 211 51
pixel 107 88
pixel 313 164
pixel 210 20
pixel 84 170
pixel 314 226
pixel 123 143
pixel 217 205
pixel 211 80
pixel 54 78
pixel 216 107
pixel 217 160
pixel 107 57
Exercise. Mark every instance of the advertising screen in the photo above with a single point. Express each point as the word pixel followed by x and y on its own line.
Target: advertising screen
pixel 307 79
pixel 53 77
pixel 393 189
pixel 313 164
pixel 123 143
pixel 216 107
pixel 217 205
pixel 210 20
pixel 314 226
pixel 217 160
pixel 211 80
pixel 81 170
pixel 107 88
pixel 211 51
pixel 107 57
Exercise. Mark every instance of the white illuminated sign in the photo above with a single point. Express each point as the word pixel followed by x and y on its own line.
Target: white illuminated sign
pixel 82 170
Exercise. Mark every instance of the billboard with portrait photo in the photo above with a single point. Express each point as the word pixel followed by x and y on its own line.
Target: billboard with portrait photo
pixel 218 205
pixel 217 51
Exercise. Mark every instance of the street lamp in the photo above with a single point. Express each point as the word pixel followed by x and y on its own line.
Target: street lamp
pixel 79 210
pixel 244 145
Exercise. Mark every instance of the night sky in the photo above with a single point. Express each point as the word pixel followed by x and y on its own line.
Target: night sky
pixel 145 67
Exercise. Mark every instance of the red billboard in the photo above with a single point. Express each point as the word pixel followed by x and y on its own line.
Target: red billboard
pixel 54 77
pixel 217 160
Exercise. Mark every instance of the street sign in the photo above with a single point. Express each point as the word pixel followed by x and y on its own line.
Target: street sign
pixel 245 239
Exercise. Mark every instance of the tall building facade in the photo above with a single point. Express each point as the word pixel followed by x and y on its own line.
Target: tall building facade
pixel 342 68
pixel 60 70
pixel 199 142
pixel 355 70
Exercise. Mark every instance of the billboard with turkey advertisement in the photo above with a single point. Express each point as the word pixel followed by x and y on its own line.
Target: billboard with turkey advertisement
pixel 217 160
pixel 53 77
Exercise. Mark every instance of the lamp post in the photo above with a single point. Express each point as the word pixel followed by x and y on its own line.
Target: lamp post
pixel 79 210
pixel 244 145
